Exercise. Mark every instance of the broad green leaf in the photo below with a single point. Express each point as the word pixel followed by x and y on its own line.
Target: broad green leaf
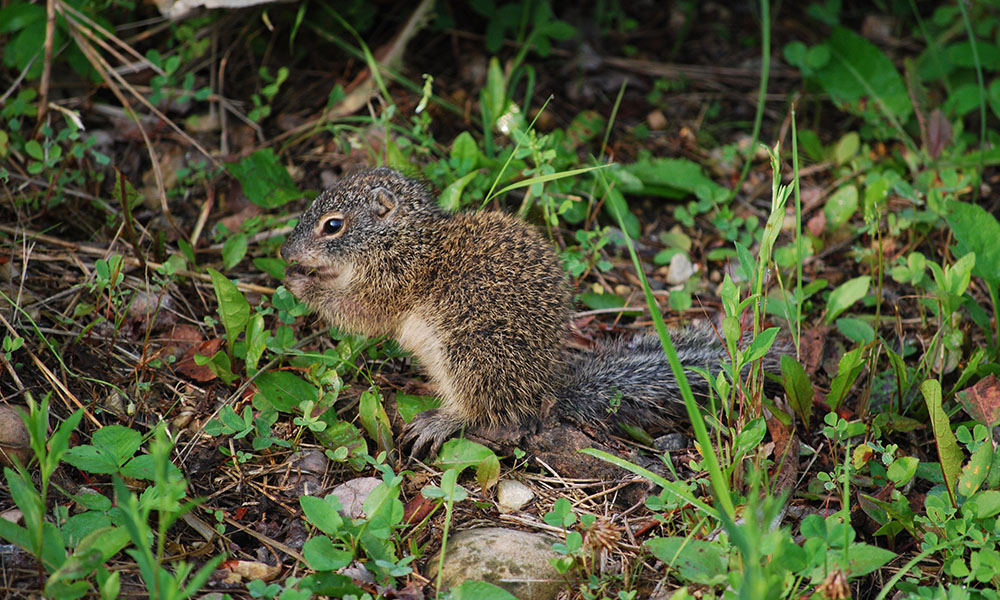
pixel 902 470
pixel 675 178
pixel 256 337
pixel 845 295
pixel 460 454
pixel 480 590
pixel 322 555
pixel 987 503
pixel 856 330
pixel 865 558
pixel 234 310
pixel 324 513
pixel 798 388
pixel 488 472
pixel 234 249
pixel 848 370
pixel 410 406
pixel 374 419
pixel 283 391
pixel 841 206
pixel 974 473
pixel 858 73
pixel 451 196
pixel 976 230
pixel 275 267
pixel 846 147
pixel 265 180
pixel 695 561
pixel 761 344
pixel 947 446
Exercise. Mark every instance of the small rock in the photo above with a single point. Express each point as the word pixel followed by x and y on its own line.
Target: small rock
pixel 512 495
pixel 656 120
pixel 352 495
pixel 14 439
pixel 309 468
pixel 671 442
pixel 681 269
pixel 517 561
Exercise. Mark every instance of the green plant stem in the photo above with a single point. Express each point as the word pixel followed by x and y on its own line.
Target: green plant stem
pixel 982 95
pixel 797 336
pixel 719 485
pixel 906 569
pixel 765 66
pixel 449 504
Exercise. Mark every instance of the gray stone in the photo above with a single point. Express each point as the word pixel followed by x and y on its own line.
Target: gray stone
pixel 517 561
pixel 512 495
pixel 352 495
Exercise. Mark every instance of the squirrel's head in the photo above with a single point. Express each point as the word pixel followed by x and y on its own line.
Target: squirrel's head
pixel 362 217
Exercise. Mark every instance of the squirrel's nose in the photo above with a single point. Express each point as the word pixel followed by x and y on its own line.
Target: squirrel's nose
pixel 286 253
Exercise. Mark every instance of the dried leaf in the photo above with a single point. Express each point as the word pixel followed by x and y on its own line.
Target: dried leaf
pixel 982 401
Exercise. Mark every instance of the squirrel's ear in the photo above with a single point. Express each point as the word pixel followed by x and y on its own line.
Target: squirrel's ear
pixel 385 202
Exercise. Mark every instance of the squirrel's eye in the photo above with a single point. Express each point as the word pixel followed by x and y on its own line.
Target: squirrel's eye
pixel 333 225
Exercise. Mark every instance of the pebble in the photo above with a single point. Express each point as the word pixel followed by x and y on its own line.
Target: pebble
pixel 513 495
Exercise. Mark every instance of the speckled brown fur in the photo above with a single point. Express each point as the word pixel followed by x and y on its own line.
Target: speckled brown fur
pixel 481 300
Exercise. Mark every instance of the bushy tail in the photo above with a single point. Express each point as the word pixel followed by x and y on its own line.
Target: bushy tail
pixel 629 379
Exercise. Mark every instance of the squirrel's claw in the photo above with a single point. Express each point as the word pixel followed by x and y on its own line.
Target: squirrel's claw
pixel 428 430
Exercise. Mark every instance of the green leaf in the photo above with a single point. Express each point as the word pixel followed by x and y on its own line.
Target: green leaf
pixel 848 370
pixel 234 310
pixel 234 250
pixel 465 154
pixel 34 149
pixel 798 389
pixel 986 502
pixel 275 267
pixel 976 230
pixel 841 206
pixel 760 345
pixel 974 473
pixel 112 446
pixel 460 454
pixel 410 405
pixel 451 196
pixel 283 391
pixel 256 337
pixel 495 91
pixel 675 178
pixel 947 446
pixel 324 513
pixel 856 330
pixel 19 15
pixel 322 555
pixel 488 473
pixel 480 590
pixel 846 147
pixel 859 71
pixel 374 419
pixel 695 561
pixel 902 470
pixel 265 180
pixel 865 558
pixel 845 295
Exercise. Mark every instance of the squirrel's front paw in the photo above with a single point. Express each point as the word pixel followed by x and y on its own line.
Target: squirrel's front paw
pixel 428 430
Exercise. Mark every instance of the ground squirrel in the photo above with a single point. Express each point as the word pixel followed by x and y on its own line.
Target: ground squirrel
pixel 482 301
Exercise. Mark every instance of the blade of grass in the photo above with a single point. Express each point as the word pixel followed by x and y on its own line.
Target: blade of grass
pixel 765 65
pixel 720 486
pixel 982 94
